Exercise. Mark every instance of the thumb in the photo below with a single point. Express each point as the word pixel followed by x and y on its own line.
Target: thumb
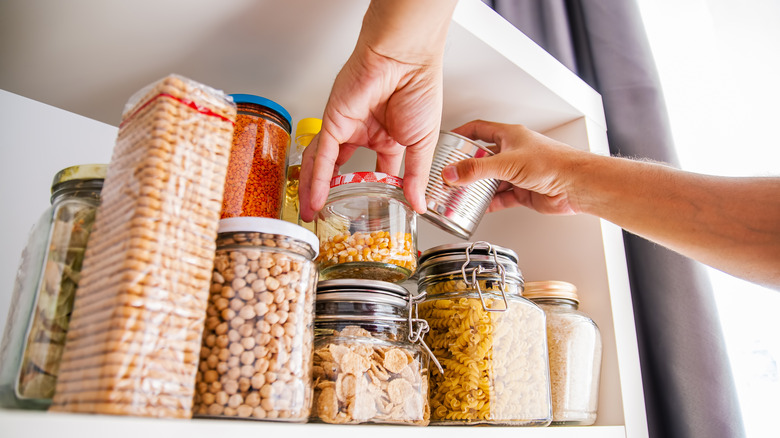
pixel 472 169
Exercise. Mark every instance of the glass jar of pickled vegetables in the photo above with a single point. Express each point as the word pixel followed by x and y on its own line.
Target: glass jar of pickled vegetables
pixel 574 345
pixel 45 288
pixel 369 363
pixel 255 360
pixel 489 340
pixel 367 229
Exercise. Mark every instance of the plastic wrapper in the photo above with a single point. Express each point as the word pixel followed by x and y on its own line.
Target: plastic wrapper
pixel 138 317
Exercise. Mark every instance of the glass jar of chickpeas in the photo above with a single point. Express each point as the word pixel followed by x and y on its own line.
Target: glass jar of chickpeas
pixel 367 229
pixel 489 340
pixel 255 360
pixel 370 365
pixel 574 344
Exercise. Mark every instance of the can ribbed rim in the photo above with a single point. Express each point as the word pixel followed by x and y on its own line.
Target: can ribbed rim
pixel 468 140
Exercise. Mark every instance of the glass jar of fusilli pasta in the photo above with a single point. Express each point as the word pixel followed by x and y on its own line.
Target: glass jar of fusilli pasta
pixel 370 365
pixel 574 344
pixel 490 341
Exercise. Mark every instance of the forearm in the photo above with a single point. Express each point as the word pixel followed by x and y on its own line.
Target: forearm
pixel 407 30
pixel 732 224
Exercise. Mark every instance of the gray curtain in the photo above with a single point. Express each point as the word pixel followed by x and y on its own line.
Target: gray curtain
pixel 689 389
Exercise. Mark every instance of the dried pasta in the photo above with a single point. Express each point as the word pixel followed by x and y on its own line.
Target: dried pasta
pixel 495 363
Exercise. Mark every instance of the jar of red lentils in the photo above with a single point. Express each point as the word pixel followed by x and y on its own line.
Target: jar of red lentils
pixel 255 360
pixel 256 169
pixel 367 229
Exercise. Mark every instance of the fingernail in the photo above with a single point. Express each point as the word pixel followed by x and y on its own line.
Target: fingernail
pixel 450 173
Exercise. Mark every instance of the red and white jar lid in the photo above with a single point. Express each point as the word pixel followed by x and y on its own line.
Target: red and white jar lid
pixel 366 177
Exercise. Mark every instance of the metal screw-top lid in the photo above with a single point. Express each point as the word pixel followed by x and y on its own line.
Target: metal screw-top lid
pixel 535 290
pixel 81 172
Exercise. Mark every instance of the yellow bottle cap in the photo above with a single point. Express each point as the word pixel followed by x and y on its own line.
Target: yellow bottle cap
pixel 309 126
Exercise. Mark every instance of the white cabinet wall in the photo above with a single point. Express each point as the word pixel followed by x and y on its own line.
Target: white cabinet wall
pixel 290 52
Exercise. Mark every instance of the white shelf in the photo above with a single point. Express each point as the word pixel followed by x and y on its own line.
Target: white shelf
pixel 290 52
pixel 33 424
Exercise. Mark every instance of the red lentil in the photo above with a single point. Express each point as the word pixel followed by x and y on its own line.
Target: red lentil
pixel 256 169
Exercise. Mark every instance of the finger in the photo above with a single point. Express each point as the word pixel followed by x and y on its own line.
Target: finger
pixel 509 199
pixel 390 163
pixel 304 182
pixel 417 167
pixel 472 169
pixel 481 130
pixel 322 170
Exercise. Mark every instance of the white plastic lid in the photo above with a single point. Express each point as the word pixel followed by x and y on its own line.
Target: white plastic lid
pixel 269 226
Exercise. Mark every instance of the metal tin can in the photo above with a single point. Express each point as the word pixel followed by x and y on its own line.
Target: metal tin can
pixel 457 210
pixel 489 340
pixel 574 344
pixel 367 229
pixel 370 365
pixel 255 360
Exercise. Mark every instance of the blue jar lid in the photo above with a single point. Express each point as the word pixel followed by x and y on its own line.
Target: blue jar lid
pixel 268 103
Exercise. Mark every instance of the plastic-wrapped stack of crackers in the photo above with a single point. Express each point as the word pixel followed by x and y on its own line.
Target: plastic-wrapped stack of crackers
pixel 135 332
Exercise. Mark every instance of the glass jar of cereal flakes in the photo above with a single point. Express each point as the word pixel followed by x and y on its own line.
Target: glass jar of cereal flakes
pixel 489 340
pixel 367 229
pixel 370 365
pixel 574 344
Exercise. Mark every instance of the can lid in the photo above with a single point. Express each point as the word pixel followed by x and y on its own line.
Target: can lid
pixel 551 289
pixel 80 172
pixel 269 226
pixel 479 150
pixel 268 103
pixel 366 177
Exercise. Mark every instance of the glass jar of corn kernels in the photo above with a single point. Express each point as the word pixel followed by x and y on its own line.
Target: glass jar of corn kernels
pixel 367 229
pixel 255 360
pixel 370 365
pixel 574 344
pixel 489 340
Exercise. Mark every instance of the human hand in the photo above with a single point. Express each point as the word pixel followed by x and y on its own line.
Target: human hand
pixel 387 97
pixel 534 169
pixel 382 104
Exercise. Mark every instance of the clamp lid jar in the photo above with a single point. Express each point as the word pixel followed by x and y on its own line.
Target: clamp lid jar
pixel 489 339
pixel 574 345
pixel 367 229
pixel 370 365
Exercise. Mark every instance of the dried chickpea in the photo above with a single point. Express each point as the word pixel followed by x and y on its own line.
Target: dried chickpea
pixel 255 362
